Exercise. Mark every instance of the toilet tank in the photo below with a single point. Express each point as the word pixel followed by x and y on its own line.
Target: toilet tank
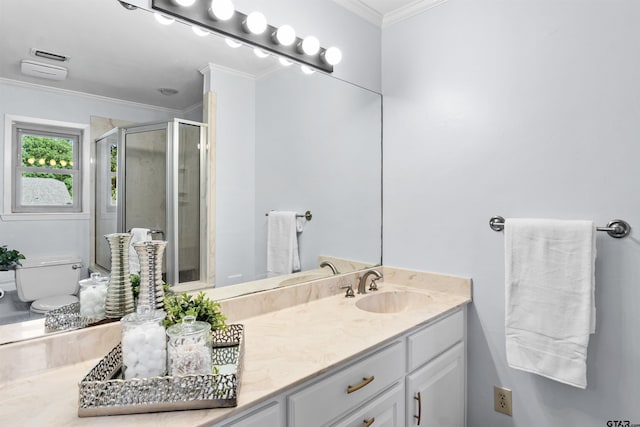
pixel 46 277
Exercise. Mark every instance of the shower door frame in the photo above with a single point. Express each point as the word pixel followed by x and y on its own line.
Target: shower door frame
pixel 172 141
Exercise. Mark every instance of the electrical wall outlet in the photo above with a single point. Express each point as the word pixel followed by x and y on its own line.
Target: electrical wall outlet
pixel 502 400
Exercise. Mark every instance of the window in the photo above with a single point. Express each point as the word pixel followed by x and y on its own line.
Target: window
pixel 45 169
pixel 47 174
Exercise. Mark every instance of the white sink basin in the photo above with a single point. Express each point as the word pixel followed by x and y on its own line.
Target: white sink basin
pixel 393 302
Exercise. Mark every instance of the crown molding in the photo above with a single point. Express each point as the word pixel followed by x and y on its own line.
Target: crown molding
pixel 408 11
pixel 362 10
pixel 213 67
pixel 190 109
pixel 171 111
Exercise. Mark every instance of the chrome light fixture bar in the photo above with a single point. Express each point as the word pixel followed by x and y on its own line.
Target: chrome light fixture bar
pixel 236 28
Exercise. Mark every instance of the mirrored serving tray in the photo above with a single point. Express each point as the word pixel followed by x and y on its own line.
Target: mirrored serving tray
pixel 66 318
pixel 104 392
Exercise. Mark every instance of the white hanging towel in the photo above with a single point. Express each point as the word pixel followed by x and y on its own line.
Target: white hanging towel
pixel 550 306
pixel 137 235
pixel 282 243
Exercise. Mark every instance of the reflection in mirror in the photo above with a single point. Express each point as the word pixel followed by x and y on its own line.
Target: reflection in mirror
pixel 283 140
pixel 105 195
pixel 158 189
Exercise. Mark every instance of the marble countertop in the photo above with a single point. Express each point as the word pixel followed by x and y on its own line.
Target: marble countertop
pixel 283 348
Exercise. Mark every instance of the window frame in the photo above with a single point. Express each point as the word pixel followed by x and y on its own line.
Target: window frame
pixel 13 169
pixel 22 129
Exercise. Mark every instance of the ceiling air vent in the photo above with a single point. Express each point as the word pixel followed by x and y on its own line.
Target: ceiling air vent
pixel 45 71
pixel 49 55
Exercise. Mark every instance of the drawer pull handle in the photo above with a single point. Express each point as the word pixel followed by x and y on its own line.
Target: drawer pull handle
pixel 368 423
pixel 364 382
pixel 419 416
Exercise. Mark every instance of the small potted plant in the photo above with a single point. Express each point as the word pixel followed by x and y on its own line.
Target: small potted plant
pixel 177 306
pixel 9 258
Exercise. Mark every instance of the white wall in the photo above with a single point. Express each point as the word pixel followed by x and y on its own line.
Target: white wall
pixel 64 237
pixel 318 141
pixel 358 39
pixel 521 109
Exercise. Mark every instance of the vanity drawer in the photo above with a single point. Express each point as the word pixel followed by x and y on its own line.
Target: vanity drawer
pixel 347 388
pixel 386 410
pixel 433 339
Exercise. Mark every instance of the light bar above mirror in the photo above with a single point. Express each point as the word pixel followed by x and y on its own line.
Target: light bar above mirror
pixel 220 17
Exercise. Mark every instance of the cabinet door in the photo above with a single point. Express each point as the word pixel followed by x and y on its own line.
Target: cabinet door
pixel 387 410
pixel 268 416
pixel 435 393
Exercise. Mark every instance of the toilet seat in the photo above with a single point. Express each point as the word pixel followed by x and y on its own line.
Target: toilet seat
pixel 44 305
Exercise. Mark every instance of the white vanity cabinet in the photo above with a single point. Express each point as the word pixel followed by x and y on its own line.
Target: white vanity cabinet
pixel 435 392
pixel 343 391
pixel 435 386
pixel 269 415
pixel 421 373
pixel 386 410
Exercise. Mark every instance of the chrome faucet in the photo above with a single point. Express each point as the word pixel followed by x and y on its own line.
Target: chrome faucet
pixel 362 285
pixel 331 266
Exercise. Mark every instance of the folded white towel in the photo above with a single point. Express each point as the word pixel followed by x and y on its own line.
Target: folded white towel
pixel 137 235
pixel 550 306
pixel 282 243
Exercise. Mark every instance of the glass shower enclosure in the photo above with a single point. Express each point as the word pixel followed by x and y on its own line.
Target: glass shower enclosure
pixel 154 176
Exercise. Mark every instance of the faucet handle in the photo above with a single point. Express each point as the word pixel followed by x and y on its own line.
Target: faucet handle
pixel 349 293
pixel 374 284
pixel 348 287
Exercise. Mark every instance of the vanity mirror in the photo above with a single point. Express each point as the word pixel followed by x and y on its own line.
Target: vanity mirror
pixel 284 140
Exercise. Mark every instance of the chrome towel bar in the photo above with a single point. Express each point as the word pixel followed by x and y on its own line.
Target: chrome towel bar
pixel 152 232
pixel 307 215
pixel 616 228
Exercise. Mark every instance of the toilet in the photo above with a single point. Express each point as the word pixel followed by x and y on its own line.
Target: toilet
pixel 49 282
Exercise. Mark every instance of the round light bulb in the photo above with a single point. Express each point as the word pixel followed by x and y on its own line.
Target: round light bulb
pixel 222 9
pixel 185 3
pixel 307 70
pixel 232 43
pixel 310 45
pixel 199 31
pixel 333 56
pixel 286 35
pixel 260 53
pixel 63 163
pixel 256 23
pixel 163 19
pixel 285 62
pixel 41 162
pixel 31 161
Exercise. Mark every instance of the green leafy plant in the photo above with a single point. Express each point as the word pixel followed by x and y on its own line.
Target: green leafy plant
pixel 178 306
pixel 9 258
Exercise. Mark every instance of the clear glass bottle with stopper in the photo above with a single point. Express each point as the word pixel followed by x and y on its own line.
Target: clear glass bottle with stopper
pixel 144 343
pixel 189 348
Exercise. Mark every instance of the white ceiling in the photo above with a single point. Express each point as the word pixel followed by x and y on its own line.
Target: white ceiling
pixel 127 55
pixel 115 52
